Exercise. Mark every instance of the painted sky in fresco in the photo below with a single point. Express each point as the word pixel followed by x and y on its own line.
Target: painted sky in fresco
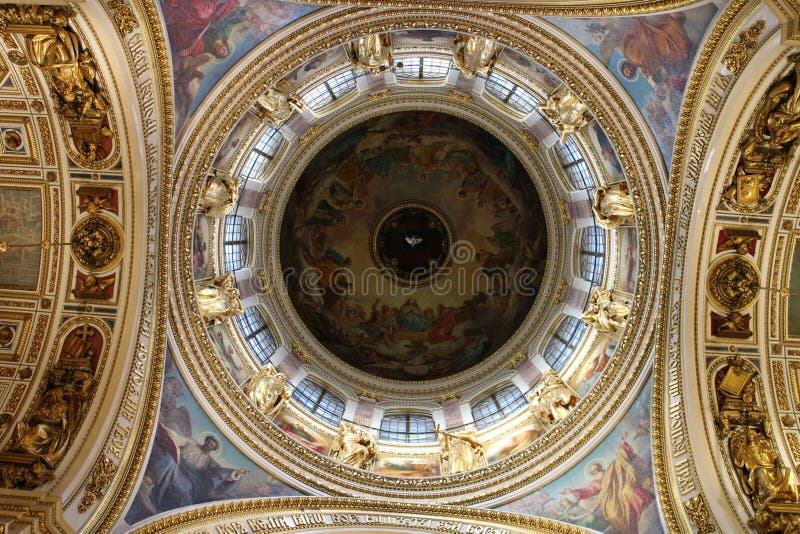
pixel 180 473
pixel 208 37
pixel 651 56
pixel 616 497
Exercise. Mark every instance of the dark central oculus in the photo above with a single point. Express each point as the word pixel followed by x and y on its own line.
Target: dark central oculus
pixel 411 243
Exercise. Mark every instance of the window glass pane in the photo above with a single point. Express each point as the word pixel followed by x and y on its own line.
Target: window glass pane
pixel 423 68
pixel 407 428
pixel 257 333
pixel 235 243
pixel 497 406
pixel 261 154
pixel 565 339
pixel 511 94
pixel 319 401
pixel 326 92
pixel 593 250
pixel 574 164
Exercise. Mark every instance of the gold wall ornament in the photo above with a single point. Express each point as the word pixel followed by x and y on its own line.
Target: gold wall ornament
pixel 736 57
pixel 220 194
pixel 303 352
pixel 124 17
pixel 101 476
pixel 733 283
pixel 613 206
pixel 558 295
pixel 92 287
pixel 278 103
pixel 96 243
pixel 736 400
pixel 93 199
pixel 459 451
pixel 218 298
pixel 697 510
pixel 741 240
pixel 552 399
pixel 606 312
pixel 265 202
pixel 354 446
pixel 369 395
pixel 761 472
pixel 17 58
pixel 266 288
pixel 475 55
pixel 268 390
pixel 441 399
pixel 565 112
pixel 768 146
pixel 371 53
pixel 78 95
pixel 518 357
pixel 306 137
pixel 733 325
pixel 19 18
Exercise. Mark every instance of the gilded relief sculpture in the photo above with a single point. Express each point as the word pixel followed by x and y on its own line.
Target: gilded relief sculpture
pixel 606 312
pixel 613 206
pixel 277 104
pixel 218 298
pixel 71 72
pixel 268 390
pixel 565 112
pixel 552 399
pixel 354 446
pixel 768 146
pixel 220 194
pixel 371 53
pixel 459 451
pixel 745 431
pixel 475 55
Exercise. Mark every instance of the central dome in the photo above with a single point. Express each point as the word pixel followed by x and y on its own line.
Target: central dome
pixel 413 245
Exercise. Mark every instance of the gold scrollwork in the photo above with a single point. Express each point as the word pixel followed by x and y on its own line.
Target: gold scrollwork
pixel 102 474
pixel 733 283
pixel 736 57
pixel 96 243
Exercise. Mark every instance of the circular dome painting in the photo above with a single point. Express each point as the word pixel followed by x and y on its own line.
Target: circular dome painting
pixel 413 245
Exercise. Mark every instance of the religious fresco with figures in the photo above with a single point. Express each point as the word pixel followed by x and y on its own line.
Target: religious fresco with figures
pixel 208 39
pixel 191 461
pixel 611 490
pixel 651 56
pixel 392 215
pixel 21 218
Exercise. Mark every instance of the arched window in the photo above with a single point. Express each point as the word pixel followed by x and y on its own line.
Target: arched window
pixel 511 94
pixel 327 92
pixel 261 154
pixel 593 252
pixel 234 245
pixel 423 68
pixel 497 405
pixel 564 341
pixel 256 333
pixel 319 401
pixel 407 427
pixel 574 164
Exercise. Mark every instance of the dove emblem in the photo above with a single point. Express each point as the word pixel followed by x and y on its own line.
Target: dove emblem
pixel 413 240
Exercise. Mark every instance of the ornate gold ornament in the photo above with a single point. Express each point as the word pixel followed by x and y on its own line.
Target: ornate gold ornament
pixel 736 397
pixel 17 58
pixel 459 451
pixel 441 399
pixel 71 72
pixel 739 240
pixel 266 288
pixel 94 199
pixel 518 357
pixel 371 53
pixel 369 395
pixel 40 441
pixel 101 476
pixel 303 352
pixel 96 243
pixel 218 298
pixel 613 206
pixel 565 112
pixel 733 325
pixel 354 446
pixel 733 283
pixel 552 399
pixel 124 17
pixel 474 55
pixel 220 194
pixel 278 103
pixel 768 146
pixel 93 288
pixel 606 312
pixel 262 209
pixel 558 295
pixel 268 390
pixel 697 509
pixel 736 57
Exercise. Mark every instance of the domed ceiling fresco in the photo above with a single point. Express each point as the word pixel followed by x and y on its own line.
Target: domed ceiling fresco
pixel 413 245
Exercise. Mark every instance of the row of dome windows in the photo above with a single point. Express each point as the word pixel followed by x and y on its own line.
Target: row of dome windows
pixel 408 427
pixel 592 248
